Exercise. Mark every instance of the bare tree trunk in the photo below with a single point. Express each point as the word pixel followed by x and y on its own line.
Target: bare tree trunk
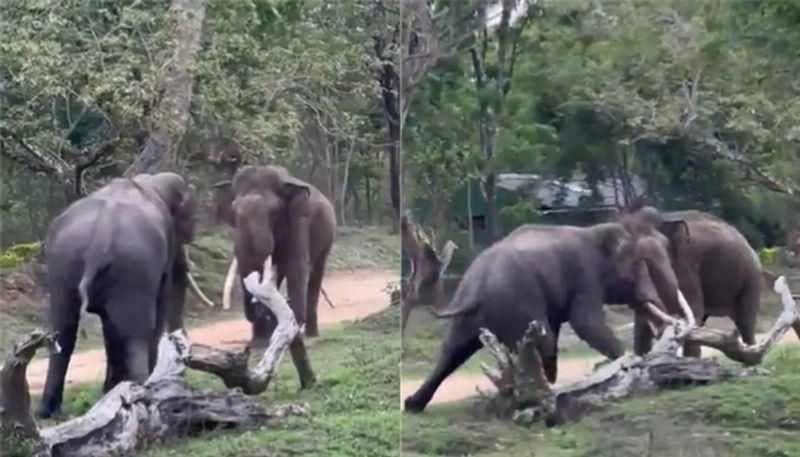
pixel 171 118
pixel 368 191
pixel 345 173
pixel 470 227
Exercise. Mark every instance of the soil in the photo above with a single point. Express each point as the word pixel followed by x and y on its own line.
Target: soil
pixel 354 295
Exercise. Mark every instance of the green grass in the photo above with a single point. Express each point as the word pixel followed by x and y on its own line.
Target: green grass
pixel 757 416
pixel 354 405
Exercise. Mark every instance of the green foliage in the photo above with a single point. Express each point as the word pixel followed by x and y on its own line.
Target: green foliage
pixel 15 445
pixel 768 256
pixel 607 89
pixel 19 254
pixel 291 82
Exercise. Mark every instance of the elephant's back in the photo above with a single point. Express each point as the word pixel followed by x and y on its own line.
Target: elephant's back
pixel 532 273
pixel 727 265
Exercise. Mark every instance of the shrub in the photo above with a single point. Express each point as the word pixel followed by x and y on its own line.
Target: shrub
pixel 19 254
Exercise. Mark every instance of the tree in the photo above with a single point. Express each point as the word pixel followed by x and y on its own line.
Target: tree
pixel 171 117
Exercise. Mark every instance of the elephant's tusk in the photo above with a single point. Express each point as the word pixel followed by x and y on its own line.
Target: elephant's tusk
pixel 193 284
pixel 661 315
pixel 197 292
pixel 227 289
pixel 687 310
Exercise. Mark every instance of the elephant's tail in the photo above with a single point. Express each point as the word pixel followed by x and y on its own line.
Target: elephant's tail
pixel 463 301
pixel 98 254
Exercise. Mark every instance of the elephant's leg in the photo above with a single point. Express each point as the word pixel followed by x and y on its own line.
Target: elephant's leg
pixel 746 312
pixel 65 309
pixel 461 343
pixel 642 335
pixel 165 308
pixel 177 281
pixel 297 288
pixel 588 321
pixel 256 314
pixel 131 309
pixel 548 351
pixel 115 360
pixel 137 359
pixel 312 299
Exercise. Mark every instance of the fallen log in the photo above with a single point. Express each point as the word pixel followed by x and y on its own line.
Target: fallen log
pixel 134 416
pixel 524 393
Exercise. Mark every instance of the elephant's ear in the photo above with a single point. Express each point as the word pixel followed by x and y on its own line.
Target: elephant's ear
pixel 186 214
pixel 223 203
pixel 677 231
pixel 297 195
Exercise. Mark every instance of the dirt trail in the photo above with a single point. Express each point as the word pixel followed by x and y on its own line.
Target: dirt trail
pixel 460 386
pixel 354 295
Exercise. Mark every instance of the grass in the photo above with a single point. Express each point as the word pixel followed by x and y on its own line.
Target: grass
pixel 23 304
pixel 354 404
pixel 758 416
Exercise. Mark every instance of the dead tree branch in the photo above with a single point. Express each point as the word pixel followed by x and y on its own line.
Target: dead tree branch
pixel 425 281
pixel 523 392
pixel 132 416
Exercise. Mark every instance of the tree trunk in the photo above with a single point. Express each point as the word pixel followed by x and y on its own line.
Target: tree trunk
pixel 171 117
pixel 368 192
pixel 345 173
pixel 470 226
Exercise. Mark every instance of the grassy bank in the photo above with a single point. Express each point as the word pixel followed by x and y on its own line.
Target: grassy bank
pixel 354 404
pixel 743 418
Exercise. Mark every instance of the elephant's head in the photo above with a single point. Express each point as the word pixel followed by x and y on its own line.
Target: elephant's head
pixel 263 204
pixel 642 270
pixel 178 196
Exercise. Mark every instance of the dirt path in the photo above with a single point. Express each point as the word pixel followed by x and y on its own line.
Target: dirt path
pixel 354 294
pixel 460 386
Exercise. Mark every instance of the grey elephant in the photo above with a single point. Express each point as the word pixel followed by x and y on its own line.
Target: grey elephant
pixel 717 270
pixel 275 214
pixel 119 253
pixel 554 274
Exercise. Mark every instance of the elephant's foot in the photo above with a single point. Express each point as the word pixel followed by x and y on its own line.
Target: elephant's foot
pixel 413 405
pixel 307 381
pixel 262 330
pixel 47 411
pixel 258 344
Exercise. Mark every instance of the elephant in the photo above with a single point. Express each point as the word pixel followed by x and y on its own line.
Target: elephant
pixel 275 214
pixel 119 253
pixel 717 270
pixel 554 274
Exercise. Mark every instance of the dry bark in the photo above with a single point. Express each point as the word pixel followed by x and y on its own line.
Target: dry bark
pixel 524 393
pixel 425 280
pixel 133 416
